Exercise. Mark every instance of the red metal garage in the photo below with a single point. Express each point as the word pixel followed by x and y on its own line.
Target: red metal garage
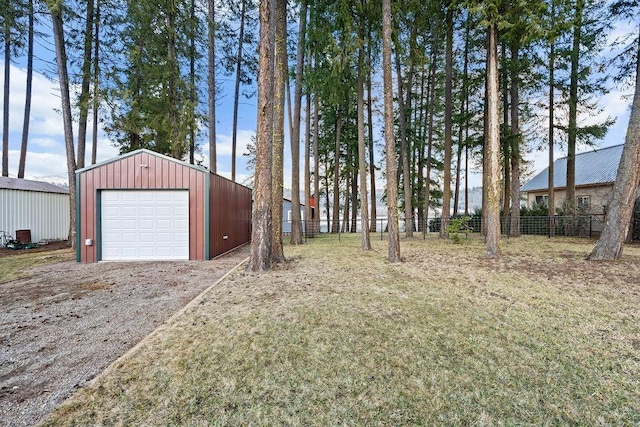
pixel 146 206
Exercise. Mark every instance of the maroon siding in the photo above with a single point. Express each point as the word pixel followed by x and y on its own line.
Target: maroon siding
pixel 126 173
pixel 229 215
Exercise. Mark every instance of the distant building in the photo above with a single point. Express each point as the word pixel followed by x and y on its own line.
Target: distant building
pixel 287 208
pixel 595 174
pixel 39 207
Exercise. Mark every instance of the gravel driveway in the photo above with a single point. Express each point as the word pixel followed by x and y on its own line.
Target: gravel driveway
pixel 63 325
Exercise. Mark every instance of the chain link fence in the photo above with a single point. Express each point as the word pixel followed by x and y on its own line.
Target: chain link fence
pixel 587 226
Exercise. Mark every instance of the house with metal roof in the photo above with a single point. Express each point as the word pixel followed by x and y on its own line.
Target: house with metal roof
pixel 35 209
pixel 595 174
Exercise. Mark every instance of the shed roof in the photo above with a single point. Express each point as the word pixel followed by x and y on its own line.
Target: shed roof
pixel 599 166
pixel 143 150
pixel 29 185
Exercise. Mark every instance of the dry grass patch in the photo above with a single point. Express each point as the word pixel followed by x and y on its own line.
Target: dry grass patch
pixel 17 266
pixel 341 337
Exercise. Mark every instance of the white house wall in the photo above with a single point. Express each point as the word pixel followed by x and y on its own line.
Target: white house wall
pixel 45 214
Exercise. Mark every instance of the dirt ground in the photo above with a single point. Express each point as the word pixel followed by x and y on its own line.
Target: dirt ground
pixel 67 322
pixel 52 246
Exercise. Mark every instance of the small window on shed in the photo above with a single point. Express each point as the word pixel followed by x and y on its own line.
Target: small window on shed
pixel 584 202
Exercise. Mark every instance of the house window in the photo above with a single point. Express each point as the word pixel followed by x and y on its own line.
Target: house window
pixel 584 202
pixel 290 217
pixel 542 200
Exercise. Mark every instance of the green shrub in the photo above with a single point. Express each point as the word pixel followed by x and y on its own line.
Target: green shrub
pixel 457 225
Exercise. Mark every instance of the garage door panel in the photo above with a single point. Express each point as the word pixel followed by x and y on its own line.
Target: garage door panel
pixel 181 224
pixel 145 224
pixel 129 196
pixel 146 238
pixel 164 238
pixel 180 238
pixel 165 197
pixel 146 211
pixel 163 224
pixel 129 224
pixel 149 253
pixel 110 211
pixel 129 211
pixel 164 211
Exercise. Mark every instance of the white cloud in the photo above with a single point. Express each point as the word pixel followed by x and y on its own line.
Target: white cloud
pixel 50 167
pixel 46 142
pixel 224 143
pixel 45 102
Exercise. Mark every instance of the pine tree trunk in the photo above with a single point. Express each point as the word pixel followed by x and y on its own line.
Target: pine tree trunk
pixel 504 144
pixel 211 88
pixel 63 77
pixel 335 226
pixel 492 149
pixel 173 94
pixel 448 125
pixel 372 167
pixel 308 230
pixel 316 168
pixel 83 101
pixel 551 202
pixel 404 150
pixel 573 110
pixel 616 227
pixel 456 192
pixel 5 94
pixel 27 101
pixel 514 229
pixel 430 128
pixel 347 192
pixel 390 151
pixel 465 111
pixel 96 81
pixel 192 83
pixel 362 164
pixel 354 198
pixel 261 234
pixel 420 149
pixel 296 220
pixel 277 178
pixel 236 92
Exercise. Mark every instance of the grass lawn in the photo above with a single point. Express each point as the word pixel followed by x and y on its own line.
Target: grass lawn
pixel 338 336
pixel 17 266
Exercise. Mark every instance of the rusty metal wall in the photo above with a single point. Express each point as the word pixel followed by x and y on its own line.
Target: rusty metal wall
pixel 140 171
pixel 229 215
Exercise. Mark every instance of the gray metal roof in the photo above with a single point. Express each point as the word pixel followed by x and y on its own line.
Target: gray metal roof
pixel 598 166
pixel 28 185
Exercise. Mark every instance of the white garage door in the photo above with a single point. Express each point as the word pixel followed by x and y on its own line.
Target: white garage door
pixel 145 225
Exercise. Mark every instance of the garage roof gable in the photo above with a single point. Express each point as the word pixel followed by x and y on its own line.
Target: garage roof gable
pixel 139 151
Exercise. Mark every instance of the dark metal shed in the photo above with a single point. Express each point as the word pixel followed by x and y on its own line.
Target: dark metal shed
pixel 147 206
